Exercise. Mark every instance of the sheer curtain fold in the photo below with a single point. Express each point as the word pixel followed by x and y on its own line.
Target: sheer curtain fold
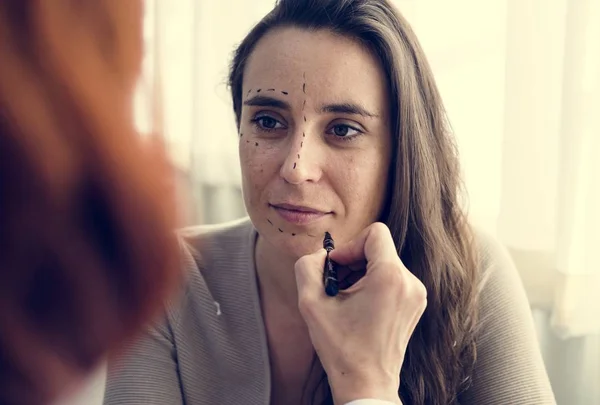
pixel 520 80
pixel 576 306
pixel 549 210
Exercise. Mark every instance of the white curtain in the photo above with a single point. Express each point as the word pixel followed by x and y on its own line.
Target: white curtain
pixel 521 83
pixel 551 153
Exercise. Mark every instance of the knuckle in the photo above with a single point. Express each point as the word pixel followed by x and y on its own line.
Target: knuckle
pixel 306 304
pixel 392 266
pixel 420 291
pixel 302 265
pixel 391 273
pixel 302 261
pixel 418 295
pixel 380 229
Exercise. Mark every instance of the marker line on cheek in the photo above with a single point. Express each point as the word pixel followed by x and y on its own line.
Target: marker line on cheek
pixel 282 231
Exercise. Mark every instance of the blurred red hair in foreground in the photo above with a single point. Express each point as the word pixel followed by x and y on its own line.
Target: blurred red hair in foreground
pixel 87 249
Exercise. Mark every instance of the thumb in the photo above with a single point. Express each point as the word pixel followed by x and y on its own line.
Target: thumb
pixel 309 274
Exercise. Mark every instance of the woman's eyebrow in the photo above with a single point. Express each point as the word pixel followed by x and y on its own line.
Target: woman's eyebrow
pixel 267 101
pixel 347 108
pixel 336 108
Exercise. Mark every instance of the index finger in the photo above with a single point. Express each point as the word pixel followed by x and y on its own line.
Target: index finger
pixel 374 243
pixel 309 273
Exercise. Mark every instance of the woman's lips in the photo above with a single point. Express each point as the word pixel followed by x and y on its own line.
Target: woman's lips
pixel 298 215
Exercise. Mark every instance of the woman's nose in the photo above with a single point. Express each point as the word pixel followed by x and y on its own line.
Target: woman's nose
pixel 303 159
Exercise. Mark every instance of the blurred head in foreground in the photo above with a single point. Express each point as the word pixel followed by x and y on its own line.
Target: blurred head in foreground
pixel 87 251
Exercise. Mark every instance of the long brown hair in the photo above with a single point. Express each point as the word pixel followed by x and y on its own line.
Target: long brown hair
pixel 423 209
pixel 87 250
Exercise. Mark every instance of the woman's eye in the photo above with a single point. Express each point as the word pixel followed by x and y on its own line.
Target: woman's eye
pixel 267 123
pixel 344 131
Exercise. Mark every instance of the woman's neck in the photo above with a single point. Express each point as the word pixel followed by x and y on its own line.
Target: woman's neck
pixel 276 277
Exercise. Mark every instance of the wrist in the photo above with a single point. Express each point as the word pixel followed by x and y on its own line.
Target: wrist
pixel 346 388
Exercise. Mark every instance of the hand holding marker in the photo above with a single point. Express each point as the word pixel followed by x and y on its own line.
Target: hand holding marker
pixel 382 306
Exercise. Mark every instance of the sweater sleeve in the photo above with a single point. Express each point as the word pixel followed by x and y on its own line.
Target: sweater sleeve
pixel 147 373
pixel 509 367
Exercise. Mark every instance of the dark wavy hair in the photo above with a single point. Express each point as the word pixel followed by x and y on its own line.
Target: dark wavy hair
pixel 87 251
pixel 423 208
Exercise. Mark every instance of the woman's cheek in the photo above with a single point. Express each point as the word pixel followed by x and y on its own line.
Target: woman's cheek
pixel 257 158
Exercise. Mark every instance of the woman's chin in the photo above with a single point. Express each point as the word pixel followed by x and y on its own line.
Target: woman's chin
pixel 294 246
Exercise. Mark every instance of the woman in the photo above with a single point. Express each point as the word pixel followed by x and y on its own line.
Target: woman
pixel 341 130
pixel 86 254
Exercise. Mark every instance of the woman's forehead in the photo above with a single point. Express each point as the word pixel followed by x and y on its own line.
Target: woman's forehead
pixel 319 65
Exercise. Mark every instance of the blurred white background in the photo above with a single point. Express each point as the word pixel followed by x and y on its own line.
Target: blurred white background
pixel 521 83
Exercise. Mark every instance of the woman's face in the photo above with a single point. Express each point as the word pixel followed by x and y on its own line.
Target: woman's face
pixel 315 143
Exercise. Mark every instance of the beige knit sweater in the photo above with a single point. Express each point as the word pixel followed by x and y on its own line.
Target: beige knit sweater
pixel 211 348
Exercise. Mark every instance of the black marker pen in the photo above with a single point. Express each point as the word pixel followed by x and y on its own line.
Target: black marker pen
pixel 329 273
